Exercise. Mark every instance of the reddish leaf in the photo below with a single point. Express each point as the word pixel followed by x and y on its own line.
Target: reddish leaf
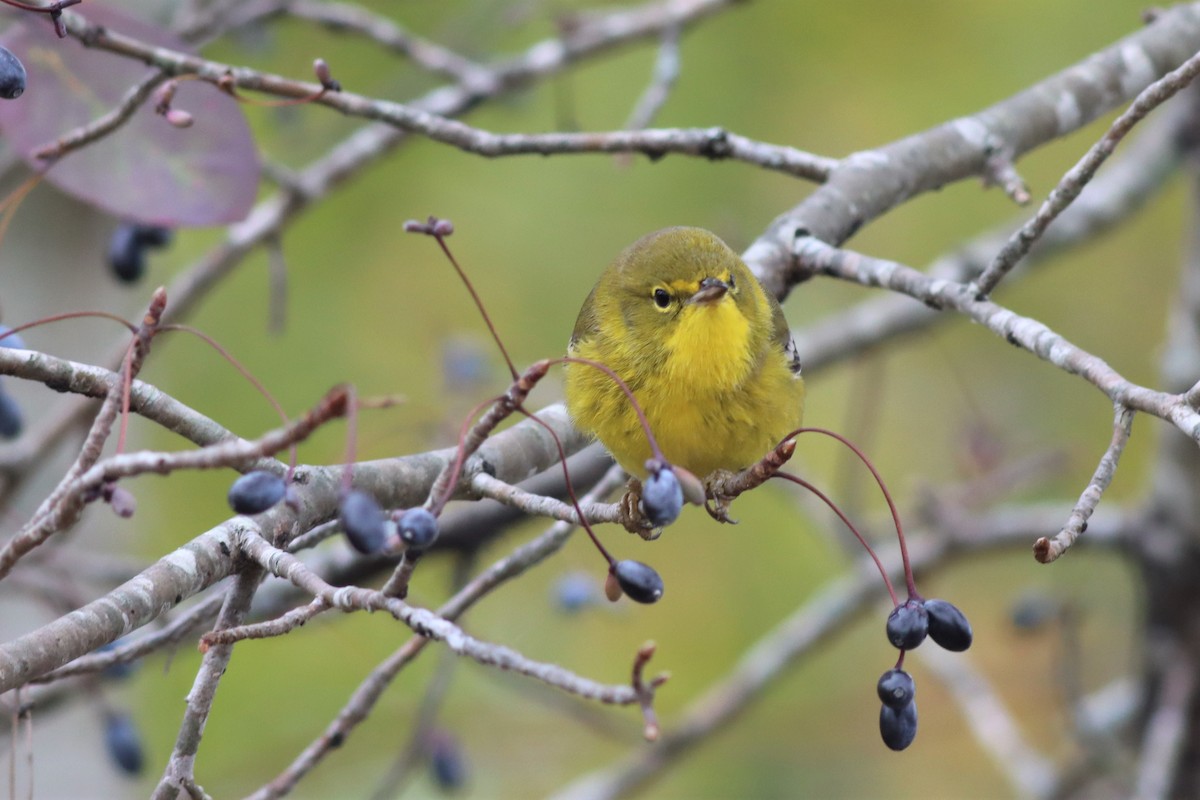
pixel 148 170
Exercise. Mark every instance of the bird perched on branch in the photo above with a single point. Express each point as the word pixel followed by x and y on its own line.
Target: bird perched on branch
pixel 706 352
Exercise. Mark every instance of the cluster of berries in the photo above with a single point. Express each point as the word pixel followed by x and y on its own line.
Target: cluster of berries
pixel 907 627
pixel 128 245
pixel 367 528
pixel 662 502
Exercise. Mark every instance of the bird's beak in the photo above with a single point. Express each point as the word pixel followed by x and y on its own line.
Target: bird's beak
pixel 711 290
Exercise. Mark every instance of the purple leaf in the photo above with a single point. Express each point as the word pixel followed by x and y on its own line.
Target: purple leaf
pixel 146 171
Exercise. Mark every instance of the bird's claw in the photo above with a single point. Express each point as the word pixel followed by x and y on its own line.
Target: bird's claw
pixel 632 515
pixel 716 498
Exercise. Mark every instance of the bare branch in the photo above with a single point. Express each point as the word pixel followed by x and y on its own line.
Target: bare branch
pixel 1073 183
pixel 866 185
pixel 179 774
pixel 1017 330
pixel 666 72
pixel 821 618
pixel 369 691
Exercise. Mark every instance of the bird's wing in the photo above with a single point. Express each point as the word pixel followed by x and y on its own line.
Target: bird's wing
pixel 783 337
pixel 586 324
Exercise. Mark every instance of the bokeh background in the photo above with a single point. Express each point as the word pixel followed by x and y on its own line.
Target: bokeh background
pixel 368 304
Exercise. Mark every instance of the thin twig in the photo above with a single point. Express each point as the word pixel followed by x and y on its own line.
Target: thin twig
pixel 1079 175
pixel 1024 332
pixel 179 774
pixel 666 73
pixel 1047 550
pixel 364 698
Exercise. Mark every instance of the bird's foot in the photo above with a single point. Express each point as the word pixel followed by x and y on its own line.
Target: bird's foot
pixel 632 515
pixel 717 496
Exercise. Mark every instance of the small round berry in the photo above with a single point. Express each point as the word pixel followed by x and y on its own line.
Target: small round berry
pixel 662 497
pixel 574 592
pixel 896 688
pixel 363 522
pixel 255 492
pixel 948 626
pixel 898 726
pixel 119 670
pixel 126 253
pixel 638 581
pixel 418 528
pixel 12 75
pixel 11 421
pixel 123 742
pixel 908 624
pixel 446 762
pixel 1033 610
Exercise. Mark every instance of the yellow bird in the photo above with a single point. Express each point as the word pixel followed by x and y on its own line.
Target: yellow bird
pixel 705 350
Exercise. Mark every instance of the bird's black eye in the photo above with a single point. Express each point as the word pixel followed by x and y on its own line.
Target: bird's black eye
pixel 730 281
pixel 662 298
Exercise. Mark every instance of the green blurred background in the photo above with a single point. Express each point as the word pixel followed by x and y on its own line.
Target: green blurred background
pixel 374 306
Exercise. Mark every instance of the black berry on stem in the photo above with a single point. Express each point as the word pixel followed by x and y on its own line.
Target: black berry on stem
pixel 255 492
pixel 948 626
pixel 898 727
pixel 12 75
pixel 896 688
pixel 363 522
pixel 638 581
pixel 662 496
pixel 908 624
pixel 418 528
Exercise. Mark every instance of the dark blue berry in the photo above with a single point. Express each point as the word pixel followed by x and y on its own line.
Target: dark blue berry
pixel 12 75
pixel 119 670
pixel 898 726
pixel 896 688
pixel 575 591
pixel 123 742
pixel 418 528
pixel 255 492
pixel 127 253
pixel 662 497
pixel 1033 610
pixel 908 624
pixel 152 235
pixel 446 762
pixel 11 421
pixel 638 581
pixel 363 522
pixel 948 626
pixel 12 340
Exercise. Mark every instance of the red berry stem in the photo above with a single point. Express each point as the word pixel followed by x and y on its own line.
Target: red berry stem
pixel 439 229
pixel 637 409
pixel 908 573
pixel 836 510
